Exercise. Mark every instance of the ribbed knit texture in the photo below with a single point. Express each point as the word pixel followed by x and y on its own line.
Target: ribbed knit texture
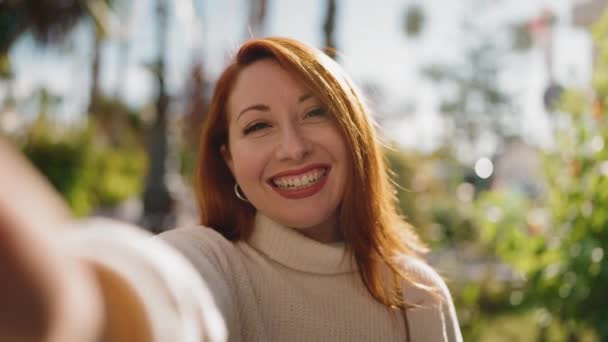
pixel 283 286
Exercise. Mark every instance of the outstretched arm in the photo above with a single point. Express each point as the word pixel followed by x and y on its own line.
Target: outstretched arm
pixel 45 296
pixel 92 280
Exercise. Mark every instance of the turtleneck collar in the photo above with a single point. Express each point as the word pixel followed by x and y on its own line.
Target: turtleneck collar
pixel 294 250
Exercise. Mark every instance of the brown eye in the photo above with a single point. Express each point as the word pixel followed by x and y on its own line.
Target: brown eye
pixel 255 127
pixel 317 112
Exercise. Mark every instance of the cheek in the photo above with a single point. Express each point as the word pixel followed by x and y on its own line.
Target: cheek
pixel 248 162
pixel 338 145
pixel 342 154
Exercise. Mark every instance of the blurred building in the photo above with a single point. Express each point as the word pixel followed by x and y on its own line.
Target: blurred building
pixel 586 12
pixel 518 167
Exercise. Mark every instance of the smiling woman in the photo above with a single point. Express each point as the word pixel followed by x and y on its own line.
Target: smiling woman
pixel 285 151
pixel 289 128
pixel 300 239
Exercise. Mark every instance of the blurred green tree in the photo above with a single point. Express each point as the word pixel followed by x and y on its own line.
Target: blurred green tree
pixel 564 259
pixel 570 277
pixel 427 190
pixel 476 108
pixel 88 174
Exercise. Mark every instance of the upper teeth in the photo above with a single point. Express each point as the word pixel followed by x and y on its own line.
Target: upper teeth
pixel 299 181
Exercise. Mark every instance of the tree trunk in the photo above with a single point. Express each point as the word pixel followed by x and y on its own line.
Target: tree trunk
pixel 257 18
pixel 95 66
pixel 157 199
pixel 197 105
pixel 123 49
pixel 329 28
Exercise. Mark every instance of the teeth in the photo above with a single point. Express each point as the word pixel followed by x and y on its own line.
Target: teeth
pixel 301 181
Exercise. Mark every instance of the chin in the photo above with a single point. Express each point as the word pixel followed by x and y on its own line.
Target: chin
pixel 301 221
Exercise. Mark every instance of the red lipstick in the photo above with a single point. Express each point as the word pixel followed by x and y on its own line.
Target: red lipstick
pixel 305 191
pixel 300 171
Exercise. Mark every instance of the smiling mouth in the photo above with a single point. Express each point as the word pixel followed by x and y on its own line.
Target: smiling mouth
pixel 299 181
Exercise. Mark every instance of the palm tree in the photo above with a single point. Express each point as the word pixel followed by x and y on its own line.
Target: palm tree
pixel 99 13
pixel 50 21
pixel 157 199
pixel 127 13
pixel 329 27
pixel 98 37
pixel 257 17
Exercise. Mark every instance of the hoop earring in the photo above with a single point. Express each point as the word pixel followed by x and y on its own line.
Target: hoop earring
pixel 239 193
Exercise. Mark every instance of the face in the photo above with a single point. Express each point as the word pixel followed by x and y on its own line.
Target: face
pixel 285 150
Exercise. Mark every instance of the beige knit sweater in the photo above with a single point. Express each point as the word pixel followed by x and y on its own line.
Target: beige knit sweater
pixel 278 286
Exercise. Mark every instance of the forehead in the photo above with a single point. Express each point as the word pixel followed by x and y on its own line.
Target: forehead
pixel 264 81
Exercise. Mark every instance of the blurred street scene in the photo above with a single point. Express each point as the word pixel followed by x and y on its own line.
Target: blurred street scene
pixel 495 112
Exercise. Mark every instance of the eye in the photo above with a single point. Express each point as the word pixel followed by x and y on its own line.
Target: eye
pixel 316 112
pixel 258 126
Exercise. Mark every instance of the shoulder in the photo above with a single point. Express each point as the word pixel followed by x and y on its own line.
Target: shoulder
pixel 426 290
pixel 423 285
pixel 198 235
pixel 201 244
pixel 217 261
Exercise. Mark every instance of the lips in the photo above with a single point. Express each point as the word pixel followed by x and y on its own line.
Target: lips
pixel 301 183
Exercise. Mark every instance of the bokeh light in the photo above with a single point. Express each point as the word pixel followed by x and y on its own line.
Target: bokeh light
pixel 484 168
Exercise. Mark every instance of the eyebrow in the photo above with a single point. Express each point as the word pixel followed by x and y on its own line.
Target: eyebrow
pixel 304 97
pixel 265 108
pixel 260 107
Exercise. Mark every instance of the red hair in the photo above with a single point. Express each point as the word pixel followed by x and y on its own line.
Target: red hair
pixel 373 230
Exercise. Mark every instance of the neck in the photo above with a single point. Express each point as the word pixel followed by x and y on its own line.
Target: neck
pixel 326 232
pixel 291 248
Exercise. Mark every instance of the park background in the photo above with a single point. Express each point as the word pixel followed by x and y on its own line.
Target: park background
pixel 494 110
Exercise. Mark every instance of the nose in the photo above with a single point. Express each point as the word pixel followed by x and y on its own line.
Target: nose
pixel 293 145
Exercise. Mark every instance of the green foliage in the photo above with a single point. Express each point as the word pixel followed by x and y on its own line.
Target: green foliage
pixel 63 163
pixel 402 167
pixel 497 231
pixel 507 231
pixel 425 186
pixel 517 327
pixel 571 282
pixel 564 259
pixel 532 267
pixel 88 174
pixel 6 70
pixel 544 262
pixel 574 103
pixel 119 174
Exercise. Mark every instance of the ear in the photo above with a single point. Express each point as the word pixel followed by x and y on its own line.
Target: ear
pixel 225 152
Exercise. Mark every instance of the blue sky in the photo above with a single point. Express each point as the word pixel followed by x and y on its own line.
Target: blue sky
pixel 392 63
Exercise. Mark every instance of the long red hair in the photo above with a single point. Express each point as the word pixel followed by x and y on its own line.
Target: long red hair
pixel 373 230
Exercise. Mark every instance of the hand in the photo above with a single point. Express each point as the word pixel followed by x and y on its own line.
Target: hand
pixel 44 295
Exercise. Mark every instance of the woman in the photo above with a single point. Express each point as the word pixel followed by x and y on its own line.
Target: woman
pixel 305 242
